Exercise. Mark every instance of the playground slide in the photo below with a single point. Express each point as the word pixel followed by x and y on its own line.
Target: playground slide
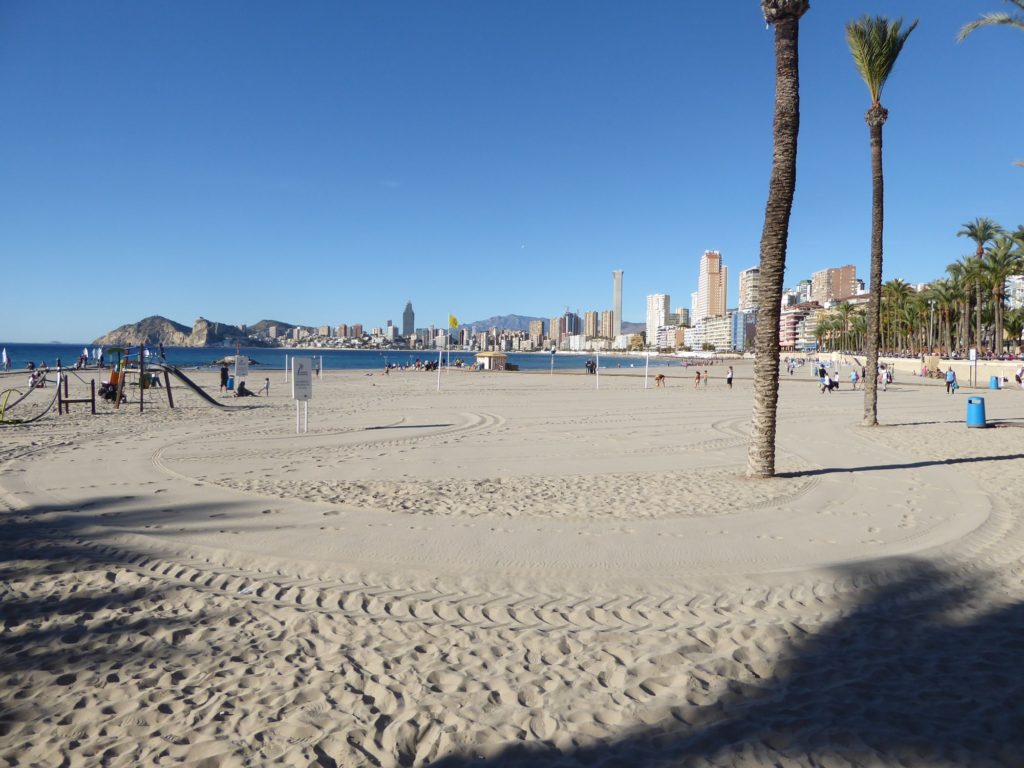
pixel 174 371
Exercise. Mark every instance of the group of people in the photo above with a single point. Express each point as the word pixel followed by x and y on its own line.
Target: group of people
pixel 241 390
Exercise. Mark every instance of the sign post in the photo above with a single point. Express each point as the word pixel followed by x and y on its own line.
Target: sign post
pixel 597 371
pixel 974 367
pixel 647 365
pixel 302 388
pixel 241 368
pixel 552 361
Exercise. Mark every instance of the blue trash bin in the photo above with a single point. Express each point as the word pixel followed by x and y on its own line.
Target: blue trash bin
pixel 976 412
pixel 231 382
pixel 993 382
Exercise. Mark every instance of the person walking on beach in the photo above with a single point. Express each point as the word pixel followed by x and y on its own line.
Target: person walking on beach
pixel 224 377
pixel 728 377
pixel 706 377
pixel 853 379
pixel 696 381
pixel 951 385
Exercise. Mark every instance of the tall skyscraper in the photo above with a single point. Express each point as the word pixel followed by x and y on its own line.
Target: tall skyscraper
pixel 556 328
pixel 617 302
pixel 590 328
pixel 750 280
pixel 657 315
pixel 408 321
pixel 537 332
pixel 834 283
pixel 571 324
pixel 607 324
pixel 712 282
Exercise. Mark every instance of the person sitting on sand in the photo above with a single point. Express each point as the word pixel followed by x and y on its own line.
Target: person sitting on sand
pixel 242 391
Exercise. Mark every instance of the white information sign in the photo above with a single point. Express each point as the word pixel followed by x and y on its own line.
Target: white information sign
pixel 241 367
pixel 974 355
pixel 302 378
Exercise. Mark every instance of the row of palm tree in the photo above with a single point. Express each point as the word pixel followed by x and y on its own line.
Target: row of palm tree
pixel 930 321
pixel 875 44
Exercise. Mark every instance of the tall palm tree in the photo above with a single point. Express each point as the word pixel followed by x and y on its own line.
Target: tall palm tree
pixel 1014 325
pixel 875 43
pixel 858 327
pixel 942 293
pixel 957 276
pixel 1002 259
pixel 994 19
pixel 843 311
pixel 784 15
pixel 982 231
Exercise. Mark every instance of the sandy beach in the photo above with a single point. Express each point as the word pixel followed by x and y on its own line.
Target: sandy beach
pixel 520 569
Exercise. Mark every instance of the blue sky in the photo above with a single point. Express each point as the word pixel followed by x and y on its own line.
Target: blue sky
pixel 325 162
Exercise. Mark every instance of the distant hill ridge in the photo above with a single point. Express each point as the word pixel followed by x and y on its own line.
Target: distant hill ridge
pixel 156 330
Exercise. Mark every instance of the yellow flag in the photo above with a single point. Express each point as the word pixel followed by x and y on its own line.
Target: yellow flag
pixel 452 322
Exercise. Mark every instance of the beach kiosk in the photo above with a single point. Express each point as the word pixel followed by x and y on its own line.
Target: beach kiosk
pixel 491 361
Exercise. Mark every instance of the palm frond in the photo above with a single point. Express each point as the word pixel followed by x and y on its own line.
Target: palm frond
pixel 875 43
pixel 992 19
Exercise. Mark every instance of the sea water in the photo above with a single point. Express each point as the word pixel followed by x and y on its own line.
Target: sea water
pixel 270 358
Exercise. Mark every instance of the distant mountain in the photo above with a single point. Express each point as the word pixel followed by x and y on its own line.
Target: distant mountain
pixel 159 330
pixel 263 325
pixel 151 330
pixel 633 327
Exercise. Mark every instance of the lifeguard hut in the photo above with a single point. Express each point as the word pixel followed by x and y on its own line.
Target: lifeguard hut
pixel 491 361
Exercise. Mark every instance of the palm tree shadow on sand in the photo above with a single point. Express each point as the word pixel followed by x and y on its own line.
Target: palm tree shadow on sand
pixel 914 675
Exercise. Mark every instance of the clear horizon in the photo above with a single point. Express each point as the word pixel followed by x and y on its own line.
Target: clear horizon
pixel 327 164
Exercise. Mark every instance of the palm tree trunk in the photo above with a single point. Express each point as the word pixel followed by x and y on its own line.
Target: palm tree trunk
pixel 997 297
pixel 781 186
pixel 875 119
pixel 977 316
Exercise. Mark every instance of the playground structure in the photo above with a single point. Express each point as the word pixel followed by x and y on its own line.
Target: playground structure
pixel 128 369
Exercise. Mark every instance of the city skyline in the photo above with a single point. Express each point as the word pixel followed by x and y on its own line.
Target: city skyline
pixel 397 151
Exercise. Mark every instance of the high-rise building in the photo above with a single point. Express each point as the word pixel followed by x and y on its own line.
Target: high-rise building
pixel 617 303
pixel 356 330
pixel 343 331
pixel 657 315
pixel 571 326
pixel 834 283
pixel 682 317
pixel 712 287
pixel 590 329
pixel 750 280
pixel 537 332
pixel 556 329
pixel 607 324
pixel 408 320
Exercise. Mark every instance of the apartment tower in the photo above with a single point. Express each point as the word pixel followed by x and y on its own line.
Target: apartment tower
pixel 657 315
pixel 712 282
pixel 750 280
pixel 616 303
pixel 834 283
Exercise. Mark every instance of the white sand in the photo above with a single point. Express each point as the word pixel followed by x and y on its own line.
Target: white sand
pixel 521 568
